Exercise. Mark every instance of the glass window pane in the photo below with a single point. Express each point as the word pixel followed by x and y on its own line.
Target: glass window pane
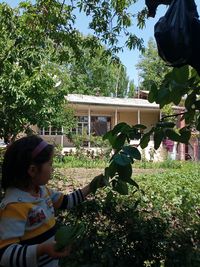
pixel 100 125
pixel 46 131
pixel 53 131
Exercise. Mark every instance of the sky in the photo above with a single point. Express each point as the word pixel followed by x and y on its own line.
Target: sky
pixel 127 57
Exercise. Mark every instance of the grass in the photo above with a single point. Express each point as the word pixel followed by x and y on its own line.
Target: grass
pixel 161 230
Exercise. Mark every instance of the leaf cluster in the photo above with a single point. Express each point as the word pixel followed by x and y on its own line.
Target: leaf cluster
pixel 181 86
pixel 119 172
pixel 110 19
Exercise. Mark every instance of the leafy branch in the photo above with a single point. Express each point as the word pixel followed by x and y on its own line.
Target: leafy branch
pixel 119 172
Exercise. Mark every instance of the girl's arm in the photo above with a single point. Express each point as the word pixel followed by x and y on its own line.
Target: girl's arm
pixel 98 180
pixel 18 255
pixel 78 196
pixel 49 249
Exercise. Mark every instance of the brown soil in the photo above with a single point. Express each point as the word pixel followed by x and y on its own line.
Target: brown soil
pixel 72 178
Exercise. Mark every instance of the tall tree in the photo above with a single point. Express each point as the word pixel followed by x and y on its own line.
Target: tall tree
pixel 29 44
pixel 151 67
pixel 100 74
pixel 34 37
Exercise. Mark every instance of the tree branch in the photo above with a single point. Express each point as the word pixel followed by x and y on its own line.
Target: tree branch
pixel 174 115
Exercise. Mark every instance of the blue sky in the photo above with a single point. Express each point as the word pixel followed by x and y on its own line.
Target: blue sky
pixel 128 58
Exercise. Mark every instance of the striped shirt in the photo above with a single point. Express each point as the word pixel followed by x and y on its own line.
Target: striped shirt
pixel 26 221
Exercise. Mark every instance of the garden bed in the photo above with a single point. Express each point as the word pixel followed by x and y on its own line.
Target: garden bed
pixel 155 226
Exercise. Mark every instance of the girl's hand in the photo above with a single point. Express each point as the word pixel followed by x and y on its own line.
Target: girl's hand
pixel 98 182
pixel 49 249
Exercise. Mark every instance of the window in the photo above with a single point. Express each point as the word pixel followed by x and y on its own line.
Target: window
pixel 50 131
pixel 99 125
pixel 82 125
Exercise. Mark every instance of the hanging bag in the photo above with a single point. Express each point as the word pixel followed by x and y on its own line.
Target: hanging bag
pixel 173 34
pixel 194 59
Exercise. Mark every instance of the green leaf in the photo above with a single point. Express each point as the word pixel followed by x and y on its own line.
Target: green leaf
pixel 172 135
pixel 111 169
pixel 140 126
pixel 132 182
pixel 181 75
pixel 190 100
pixel 119 141
pixel 121 187
pixel 122 159
pixel 198 125
pixel 197 104
pixel 158 137
pixel 134 134
pixel 108 136
pixel 185 135
pixel 189 116
pixel 124 172
pixel 133 152
pixel 165 124
pixel 163 96
pixel 109 197
pixel 144 141
pixel 153 94
pixel 97 182
pixel 176 97
pixel 120 128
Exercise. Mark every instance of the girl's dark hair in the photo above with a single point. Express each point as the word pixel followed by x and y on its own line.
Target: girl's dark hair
pixel 18 158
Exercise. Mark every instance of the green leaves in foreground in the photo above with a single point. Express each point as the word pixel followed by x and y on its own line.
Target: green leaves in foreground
pixel 118 175
pixel 119 172
pixel 66 235
pixel 181 86
pixel 165 130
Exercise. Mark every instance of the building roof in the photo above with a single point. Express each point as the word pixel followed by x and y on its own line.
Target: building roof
pixel 110 101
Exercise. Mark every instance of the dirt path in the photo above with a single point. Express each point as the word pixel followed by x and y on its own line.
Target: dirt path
pixel 73 177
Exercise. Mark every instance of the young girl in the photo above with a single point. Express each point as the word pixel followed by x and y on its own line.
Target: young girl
pixel 27 221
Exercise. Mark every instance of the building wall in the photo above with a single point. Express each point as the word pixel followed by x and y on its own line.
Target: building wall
pixel 149 118
pixel 130 118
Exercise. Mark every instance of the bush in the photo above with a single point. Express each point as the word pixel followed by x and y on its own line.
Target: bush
pixel 156 226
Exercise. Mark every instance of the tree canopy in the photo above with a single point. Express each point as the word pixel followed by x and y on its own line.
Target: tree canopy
pixel 40 45
pixel 98 74
pixel 41 53
pixel 151 67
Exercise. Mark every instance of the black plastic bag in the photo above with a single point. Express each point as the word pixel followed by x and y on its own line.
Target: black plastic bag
pixel 194 59
pixel 173 34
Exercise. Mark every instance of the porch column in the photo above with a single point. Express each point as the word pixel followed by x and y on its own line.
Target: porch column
pixel 160 115
pixel 181 145
pixel 195 145
pixel 89 125
pixel 116 120
pixel 138 117
pixel 62 138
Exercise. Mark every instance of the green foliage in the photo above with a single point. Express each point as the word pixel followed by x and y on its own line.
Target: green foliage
pixel 151 67
pixel 30 47
pixel 179 84
pixel 119 172
pixel 131 91
pixel 66 235
pixel 110 19
pixel 99 74
pixel 41 53
pixel 159 227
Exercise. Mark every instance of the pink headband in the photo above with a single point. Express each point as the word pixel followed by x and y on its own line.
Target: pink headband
pixel 39 148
